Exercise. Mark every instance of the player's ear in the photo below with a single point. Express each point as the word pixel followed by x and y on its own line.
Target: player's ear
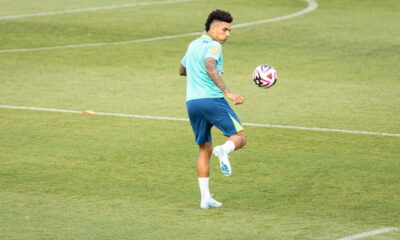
pixel 212 27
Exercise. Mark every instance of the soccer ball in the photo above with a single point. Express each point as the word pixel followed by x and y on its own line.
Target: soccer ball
pixel 265 76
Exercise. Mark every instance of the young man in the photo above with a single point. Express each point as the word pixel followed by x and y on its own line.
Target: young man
pixel 206 105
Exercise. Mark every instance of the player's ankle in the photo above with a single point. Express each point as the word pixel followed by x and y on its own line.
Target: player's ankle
pixel 228 146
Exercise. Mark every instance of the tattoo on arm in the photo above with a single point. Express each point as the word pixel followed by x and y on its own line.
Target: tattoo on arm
pixel 212 72
pixel 182 70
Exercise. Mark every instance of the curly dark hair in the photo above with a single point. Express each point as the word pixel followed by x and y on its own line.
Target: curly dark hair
pixel 220 15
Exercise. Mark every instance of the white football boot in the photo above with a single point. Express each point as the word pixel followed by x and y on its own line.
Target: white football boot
pixel 223 160
pixel 210 203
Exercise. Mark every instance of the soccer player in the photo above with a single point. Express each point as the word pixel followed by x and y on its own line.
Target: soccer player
pixel 206 105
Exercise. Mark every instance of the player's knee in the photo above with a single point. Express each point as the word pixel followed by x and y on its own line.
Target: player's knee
pixel 206 147
pixel 243 140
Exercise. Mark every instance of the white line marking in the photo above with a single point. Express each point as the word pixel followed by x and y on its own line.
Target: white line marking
pixel 371 233
pixel 93 9
pixel 101 44
pixel 185 119
pixel 312 5
pixel 324 129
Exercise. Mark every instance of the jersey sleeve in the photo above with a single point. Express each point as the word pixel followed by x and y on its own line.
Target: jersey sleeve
pixel 214 51
pixel 183 61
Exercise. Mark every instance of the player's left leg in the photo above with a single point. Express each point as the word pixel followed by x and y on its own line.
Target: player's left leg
pixel 203 162
pixel 203 171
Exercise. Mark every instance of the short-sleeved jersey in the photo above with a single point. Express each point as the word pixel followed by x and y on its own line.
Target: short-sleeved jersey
pixel 199 84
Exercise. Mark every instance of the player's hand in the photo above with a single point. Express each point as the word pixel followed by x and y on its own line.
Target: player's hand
pixel 237 99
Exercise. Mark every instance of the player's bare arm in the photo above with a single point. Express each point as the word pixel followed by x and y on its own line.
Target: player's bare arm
pixel 182 70
pixel 212 72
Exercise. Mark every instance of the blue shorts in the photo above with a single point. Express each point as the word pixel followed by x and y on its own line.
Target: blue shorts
pixel 205 113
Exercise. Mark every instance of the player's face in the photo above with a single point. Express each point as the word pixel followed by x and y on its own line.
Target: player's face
pixel 220 31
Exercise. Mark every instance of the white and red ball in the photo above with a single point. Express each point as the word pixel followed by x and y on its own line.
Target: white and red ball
pixel 265 76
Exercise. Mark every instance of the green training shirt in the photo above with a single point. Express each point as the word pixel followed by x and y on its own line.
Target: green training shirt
pixel 199 84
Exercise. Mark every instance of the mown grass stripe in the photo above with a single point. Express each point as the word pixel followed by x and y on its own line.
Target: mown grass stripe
pixel 312 5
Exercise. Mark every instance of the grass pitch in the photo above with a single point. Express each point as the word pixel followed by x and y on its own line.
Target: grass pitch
pixel 70 176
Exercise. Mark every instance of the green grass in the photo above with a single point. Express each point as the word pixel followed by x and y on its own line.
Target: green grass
pixel 71 176
pixel 68 176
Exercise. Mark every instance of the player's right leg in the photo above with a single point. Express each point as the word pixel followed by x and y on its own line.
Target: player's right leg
pixel 239 139
pixel 228 122
pixel 233 143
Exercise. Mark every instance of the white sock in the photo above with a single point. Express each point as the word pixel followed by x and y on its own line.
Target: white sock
pixel 228 146
pixel 204 190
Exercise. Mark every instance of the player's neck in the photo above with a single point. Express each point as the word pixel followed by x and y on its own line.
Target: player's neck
pixel 208 34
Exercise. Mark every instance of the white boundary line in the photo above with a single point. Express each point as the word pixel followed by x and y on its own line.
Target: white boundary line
pixel 185 119
pixel 312 5
pixel 100 44
pixel 92 9
pixel 371 233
